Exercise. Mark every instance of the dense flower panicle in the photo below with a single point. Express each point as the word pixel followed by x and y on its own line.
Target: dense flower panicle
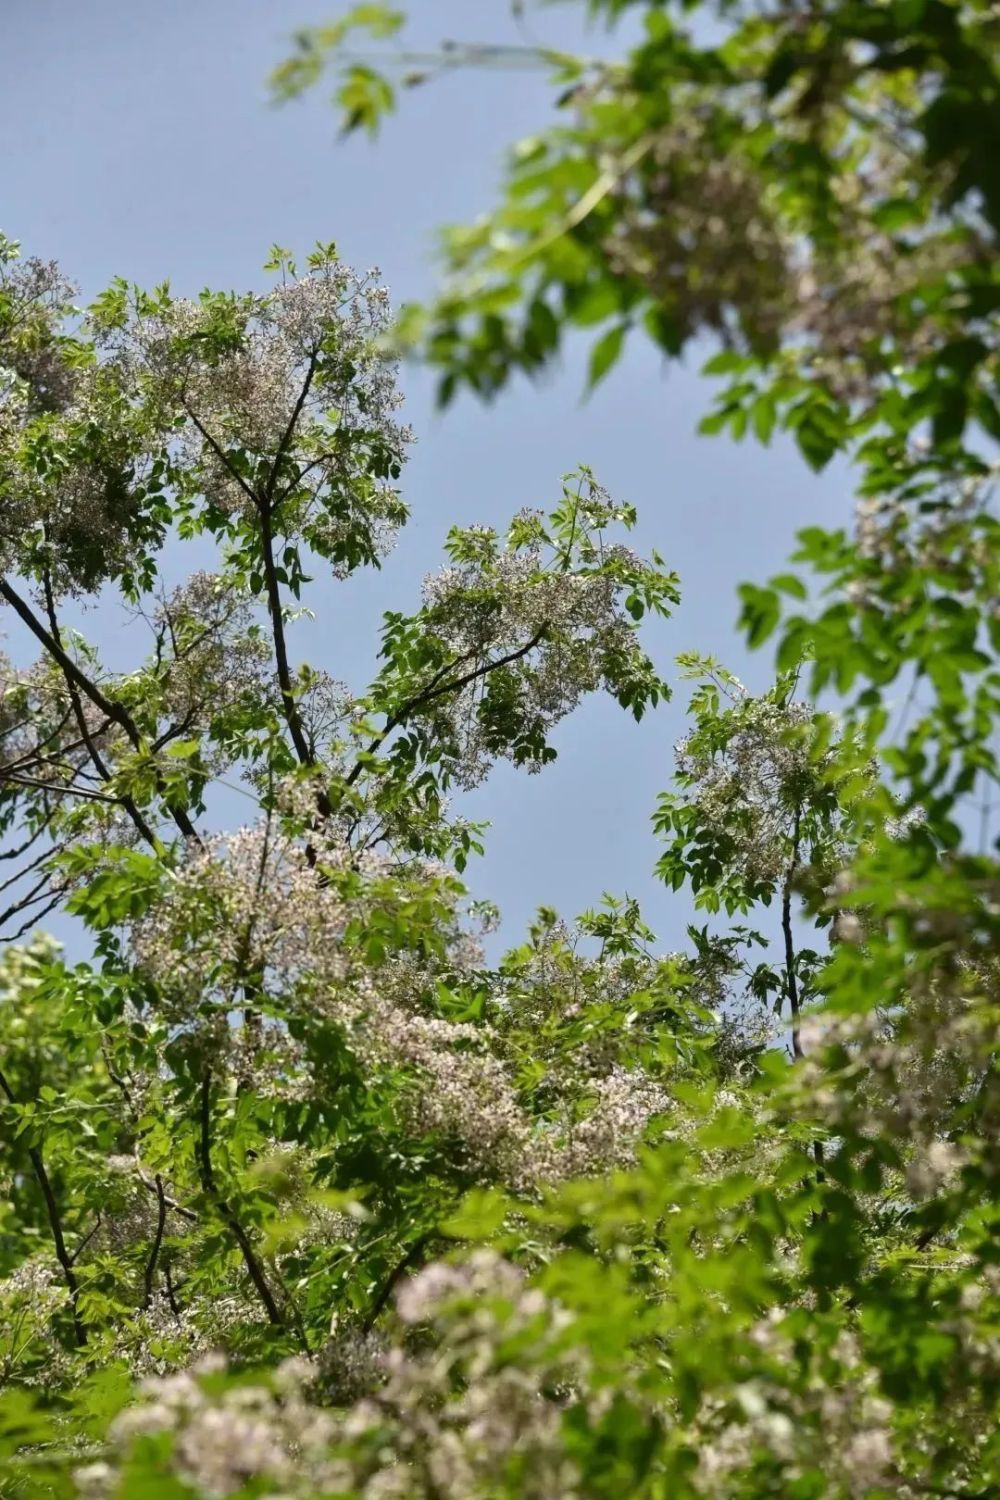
pixel 36 295
pixel 75 451
pixel 211 654
pixel 911 1074
pixel 556 634
pixel 714 241
pixel 31 1296
pixel 284 399
pixel 752 788
pixel 843 1429
pixel 703 238
pixel 251 907
pixel 244 905
pixel 415 1431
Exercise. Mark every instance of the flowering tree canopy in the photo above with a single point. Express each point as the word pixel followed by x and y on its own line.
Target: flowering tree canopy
pixel 303 1195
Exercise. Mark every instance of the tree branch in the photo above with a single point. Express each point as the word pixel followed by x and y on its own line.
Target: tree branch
pixel 81 1247
pixel 432 690
pixel 149 1275
pixel 108 706
pixel 228 1216
pixel 55 1225
pixel 222 456
pixel 12 937
pixel 290 708
pixel 390 1283
pixel 791 978
pixel 81 719
pixel 60 791
pixel 289 431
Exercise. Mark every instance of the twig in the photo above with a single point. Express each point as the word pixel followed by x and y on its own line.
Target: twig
pixel 108 706
pixel 85 1242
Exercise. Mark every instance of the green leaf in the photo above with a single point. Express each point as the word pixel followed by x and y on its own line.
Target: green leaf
pixel 182 749
pixel 605 354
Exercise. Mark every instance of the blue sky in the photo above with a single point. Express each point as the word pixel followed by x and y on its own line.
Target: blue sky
pixel 140 142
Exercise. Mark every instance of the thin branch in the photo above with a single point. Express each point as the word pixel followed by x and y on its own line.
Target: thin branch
pixel 232 1223
pixel 112 710
pixel 35 918
pixel 59 791
pixel 23 848
pixel 55 1225
pixel 432 691
pixel 289 432
pixel 81 719
pixel 149 1276
pixel 81 1247
pixel 390 1283
pixel 108 706
pixel 289 707
pixel 35 753
pixel 156 1186
pixel 222 456
pixel 33 864
pixel 791 978
pixel 40 891
pixel 175 730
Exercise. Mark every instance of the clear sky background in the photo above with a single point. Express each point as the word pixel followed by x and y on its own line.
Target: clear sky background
pixel 140 141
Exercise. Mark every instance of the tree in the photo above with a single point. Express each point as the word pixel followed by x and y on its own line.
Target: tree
pixel 594 1220
pixel 809 188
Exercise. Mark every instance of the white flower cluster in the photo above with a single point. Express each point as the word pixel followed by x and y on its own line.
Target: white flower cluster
pixel 30 1297
pixel 703 238
pixel 558 634
pixel 834 1421
pixel 434 1425
pixel 251 907
pixel 246 906
pixel 704 232
pixel 75 448
pixel 909 1074
pixel 747 789
pixel 290 381
pixel 209 658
